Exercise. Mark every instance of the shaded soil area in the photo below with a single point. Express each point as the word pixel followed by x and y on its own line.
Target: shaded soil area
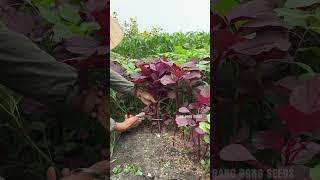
pixel 155 155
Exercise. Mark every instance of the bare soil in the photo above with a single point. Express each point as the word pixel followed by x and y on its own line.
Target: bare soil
pixel 155 154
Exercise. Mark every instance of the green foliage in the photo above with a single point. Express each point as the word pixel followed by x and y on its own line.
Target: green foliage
pixel 65 20
pixel 205 166
pixel 128 168
pixel 298 3
pixel 315 172
pixel 116 170
pixel 308 19
pixel 223 5
pixel 69 13
pixel 205 126
pixel 156 43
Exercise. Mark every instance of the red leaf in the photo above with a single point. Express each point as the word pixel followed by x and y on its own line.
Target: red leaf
pixel 184 110
pixel 236 152
pixel 289 82
pixel 306 98
pixel 216 22
pixel 268 140
pixel 145 69
pixel 199 131
pixel 224 40
pixel 249 10
pixel 203 100
pixel 296 121
pixel 193 75
pixel 175 70
pixel 204 91
pixel 166 79
pixel 265 41
pixel 181 121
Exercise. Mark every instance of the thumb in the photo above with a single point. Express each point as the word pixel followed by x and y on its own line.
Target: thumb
pixel 152 99
pixel 51 174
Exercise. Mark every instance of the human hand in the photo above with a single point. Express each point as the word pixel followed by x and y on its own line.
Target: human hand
pixel 129 122
pixel 145 97
pixel 94 103
pixel 99 168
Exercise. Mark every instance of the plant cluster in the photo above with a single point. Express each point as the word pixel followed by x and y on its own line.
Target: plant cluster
pixel 265 56
pixel 181 96
pixel 128 168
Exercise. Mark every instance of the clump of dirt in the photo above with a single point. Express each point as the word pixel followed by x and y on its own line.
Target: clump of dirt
pixel 154 153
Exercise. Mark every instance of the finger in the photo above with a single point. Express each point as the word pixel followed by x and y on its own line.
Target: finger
pixel 142 114
pixel 146 102
pixel 65 172
pixel 136 123
pixel 126 116
pixel 51 174
pixel 152 99
pixel 101 167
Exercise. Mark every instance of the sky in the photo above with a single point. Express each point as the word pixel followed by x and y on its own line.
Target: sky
pixel 170 15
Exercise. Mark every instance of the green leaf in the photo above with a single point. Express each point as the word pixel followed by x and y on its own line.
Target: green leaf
pixel 223 5
pixel 138 173
pixel 116 170
pixel 89 27
pixel 205 127
pixel 126 169
pixel 43 3
pixel 70 13
pixel 300 3
pixel 49 14
pixel 293 17
pixel 206 138
pixel 314 23
pixel 208 117
pixel 61 31
pixel 306 76
pixel 305 67
pixel 315 51
pixel 315 172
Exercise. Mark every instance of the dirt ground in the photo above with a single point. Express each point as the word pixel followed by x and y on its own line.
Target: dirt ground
pixel 155 155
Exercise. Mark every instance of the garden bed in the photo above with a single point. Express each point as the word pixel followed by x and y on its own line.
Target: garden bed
pixel 154 155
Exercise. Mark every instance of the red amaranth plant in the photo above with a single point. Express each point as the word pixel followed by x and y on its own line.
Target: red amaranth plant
pixel 182 84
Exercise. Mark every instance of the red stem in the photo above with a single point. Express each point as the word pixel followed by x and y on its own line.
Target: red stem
pixel 157 116
pixel 205 151
pixel 199 146
pixel 177 111
pixel 291 142
pixel 296 152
